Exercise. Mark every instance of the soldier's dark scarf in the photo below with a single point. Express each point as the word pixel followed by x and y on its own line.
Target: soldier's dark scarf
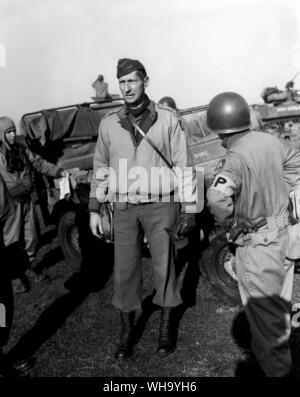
pixel 145 115
pixel 137 108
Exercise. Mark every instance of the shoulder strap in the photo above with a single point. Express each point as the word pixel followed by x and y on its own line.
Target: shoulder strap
pixel 140 131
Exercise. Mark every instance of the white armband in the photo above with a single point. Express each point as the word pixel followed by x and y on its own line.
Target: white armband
pixel 224 184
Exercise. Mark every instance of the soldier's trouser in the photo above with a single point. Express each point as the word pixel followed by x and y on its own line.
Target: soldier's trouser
pixel 266 289
pixel 23 226
pixel 129 221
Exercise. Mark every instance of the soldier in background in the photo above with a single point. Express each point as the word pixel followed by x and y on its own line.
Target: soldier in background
pixel 17 164
pixel 101 88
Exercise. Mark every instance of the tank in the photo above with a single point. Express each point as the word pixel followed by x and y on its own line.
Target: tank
pixel 280 113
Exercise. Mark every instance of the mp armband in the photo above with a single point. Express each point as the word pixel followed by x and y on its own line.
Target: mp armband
pixel 224 184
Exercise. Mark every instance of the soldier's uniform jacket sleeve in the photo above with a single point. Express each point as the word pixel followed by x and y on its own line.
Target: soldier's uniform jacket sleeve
pixel 100 177
pixel 291 167
pixel 6 204
pixel 41 165
pixel 182 159
pixel 6 209
pixel 220 194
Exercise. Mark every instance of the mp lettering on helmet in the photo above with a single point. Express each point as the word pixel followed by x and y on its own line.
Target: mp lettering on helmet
pixel 224 184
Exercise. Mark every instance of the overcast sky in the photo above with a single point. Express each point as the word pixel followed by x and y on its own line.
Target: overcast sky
pixel 52 50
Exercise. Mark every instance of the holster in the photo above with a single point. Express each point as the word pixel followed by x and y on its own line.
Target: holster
pixel 244 226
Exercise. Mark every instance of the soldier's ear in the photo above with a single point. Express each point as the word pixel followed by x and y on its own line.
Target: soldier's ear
pixel 146 81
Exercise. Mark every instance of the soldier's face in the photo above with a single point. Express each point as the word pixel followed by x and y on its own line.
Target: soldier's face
pixel 132 86
pixel 10 136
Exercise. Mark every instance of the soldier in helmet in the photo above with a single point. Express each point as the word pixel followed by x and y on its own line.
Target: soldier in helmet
pixel 250 194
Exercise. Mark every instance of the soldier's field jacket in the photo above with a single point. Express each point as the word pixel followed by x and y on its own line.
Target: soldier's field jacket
pixel 254 179
pixel 126 166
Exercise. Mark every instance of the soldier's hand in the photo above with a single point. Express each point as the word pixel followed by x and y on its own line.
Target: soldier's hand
pixel 96 224
pixel 185 224
pixel 61 173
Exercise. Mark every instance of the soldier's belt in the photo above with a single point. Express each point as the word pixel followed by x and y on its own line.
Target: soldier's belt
pixel 243 230
pixel 262 237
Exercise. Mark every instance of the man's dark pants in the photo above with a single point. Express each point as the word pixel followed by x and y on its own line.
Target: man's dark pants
pixel 129 222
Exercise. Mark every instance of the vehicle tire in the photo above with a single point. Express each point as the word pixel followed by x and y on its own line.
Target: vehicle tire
pixel 68 238
pixel 217 266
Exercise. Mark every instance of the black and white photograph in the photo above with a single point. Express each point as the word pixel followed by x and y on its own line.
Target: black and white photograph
pixel 149 191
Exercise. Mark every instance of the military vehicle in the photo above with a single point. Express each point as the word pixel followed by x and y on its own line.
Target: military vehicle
pixel 280 113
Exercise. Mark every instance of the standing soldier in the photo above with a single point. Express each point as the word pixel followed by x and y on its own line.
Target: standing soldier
pixel 251 195
pixel 120 153
pixel 17 164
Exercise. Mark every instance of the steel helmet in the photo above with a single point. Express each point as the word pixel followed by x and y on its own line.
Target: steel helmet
pixel 228 113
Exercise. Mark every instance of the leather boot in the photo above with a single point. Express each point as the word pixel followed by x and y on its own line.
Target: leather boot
pixel 167 332
pixel 9 367
pixel 125 347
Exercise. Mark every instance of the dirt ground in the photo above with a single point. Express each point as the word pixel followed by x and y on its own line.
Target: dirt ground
pixel 69 325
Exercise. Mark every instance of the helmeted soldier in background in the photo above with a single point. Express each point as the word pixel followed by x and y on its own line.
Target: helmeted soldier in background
pixel 250 196
pixel 17 164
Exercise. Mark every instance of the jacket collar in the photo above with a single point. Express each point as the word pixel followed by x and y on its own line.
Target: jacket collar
pixel 229 141
pixel 123 113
